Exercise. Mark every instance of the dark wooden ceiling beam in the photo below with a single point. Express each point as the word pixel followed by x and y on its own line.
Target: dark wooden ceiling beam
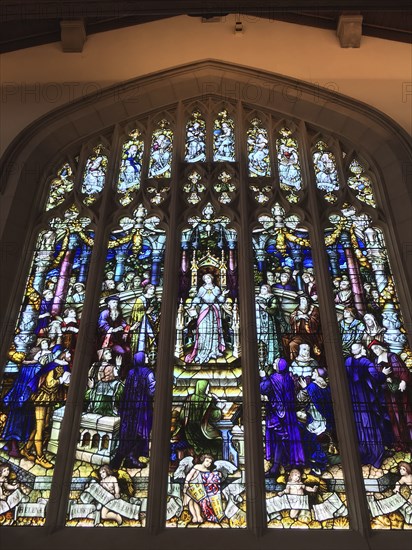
pixel 15 10
pixel 24 24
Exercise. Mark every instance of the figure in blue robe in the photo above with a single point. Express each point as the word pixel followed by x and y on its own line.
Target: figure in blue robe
pixel 319 428
pixel 136 415
pixel 319 393
pixel 20 410
pixel 283 444
pixel 371 416
pixel 44 318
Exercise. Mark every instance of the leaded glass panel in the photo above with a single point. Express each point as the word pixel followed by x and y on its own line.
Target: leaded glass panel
pixel 206 472
pixel 111 470
pixel 378 363
pixel 303 473
pixel 40 359
pixel 94 175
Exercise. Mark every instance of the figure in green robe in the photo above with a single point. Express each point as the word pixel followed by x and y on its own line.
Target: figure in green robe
pixel 199 415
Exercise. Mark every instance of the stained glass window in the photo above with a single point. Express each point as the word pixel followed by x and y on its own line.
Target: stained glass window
pixel 261 193
pixel 111 469
pixel 303 472
pixel 131 167
pixel 157 193
pixel 206 448
pixel 258 149
pixel 223 138
pixel 94 175
pixel 378 363
pixel 38 371
pixel 241 246
pixel 195 148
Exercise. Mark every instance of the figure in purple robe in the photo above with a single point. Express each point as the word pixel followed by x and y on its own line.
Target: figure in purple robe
pixel 20 410
pixel 44 317
pixel 317 432
pixel 286 282
pixel 283 440
pixel 398 394
pixel 136 415
pixel 114 329
pixel 369 409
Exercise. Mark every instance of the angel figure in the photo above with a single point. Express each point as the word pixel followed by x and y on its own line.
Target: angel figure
pixel 202 487
pixel 405 471
pixel 296 488
pixel 202 492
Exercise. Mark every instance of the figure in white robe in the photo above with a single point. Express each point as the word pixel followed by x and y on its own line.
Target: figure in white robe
pixel 209 339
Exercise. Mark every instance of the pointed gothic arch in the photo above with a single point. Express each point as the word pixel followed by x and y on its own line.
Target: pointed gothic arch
pixel 105 115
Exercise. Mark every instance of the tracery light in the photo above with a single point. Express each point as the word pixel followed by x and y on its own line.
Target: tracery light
pixel 361 183
pixel 60 186
pixel 161 150
pixel 131 167
pixel 290 177
pixel 258 150
pixel 327 179
pixel 223 138
pixel 224 187
pixel 94 175
pixel 195 147
pixel 194 188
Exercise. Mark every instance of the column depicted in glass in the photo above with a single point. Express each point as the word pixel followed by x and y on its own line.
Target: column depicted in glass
pixel 111 469
pixel 206 475
pixel 378 363
pixel 303 473
pixel 38 371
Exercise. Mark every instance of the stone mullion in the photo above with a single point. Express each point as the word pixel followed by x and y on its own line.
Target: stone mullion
pixel 68 436
pixel 160 446
pixel 255 501
pixel 342 404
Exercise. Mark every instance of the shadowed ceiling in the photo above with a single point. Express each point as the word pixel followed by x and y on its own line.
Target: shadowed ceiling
pixel 25 23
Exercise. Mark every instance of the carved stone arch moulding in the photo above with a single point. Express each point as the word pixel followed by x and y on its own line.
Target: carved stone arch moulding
pixel 329 111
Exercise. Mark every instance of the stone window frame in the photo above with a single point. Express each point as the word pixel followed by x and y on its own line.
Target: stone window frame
pixel 109 115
